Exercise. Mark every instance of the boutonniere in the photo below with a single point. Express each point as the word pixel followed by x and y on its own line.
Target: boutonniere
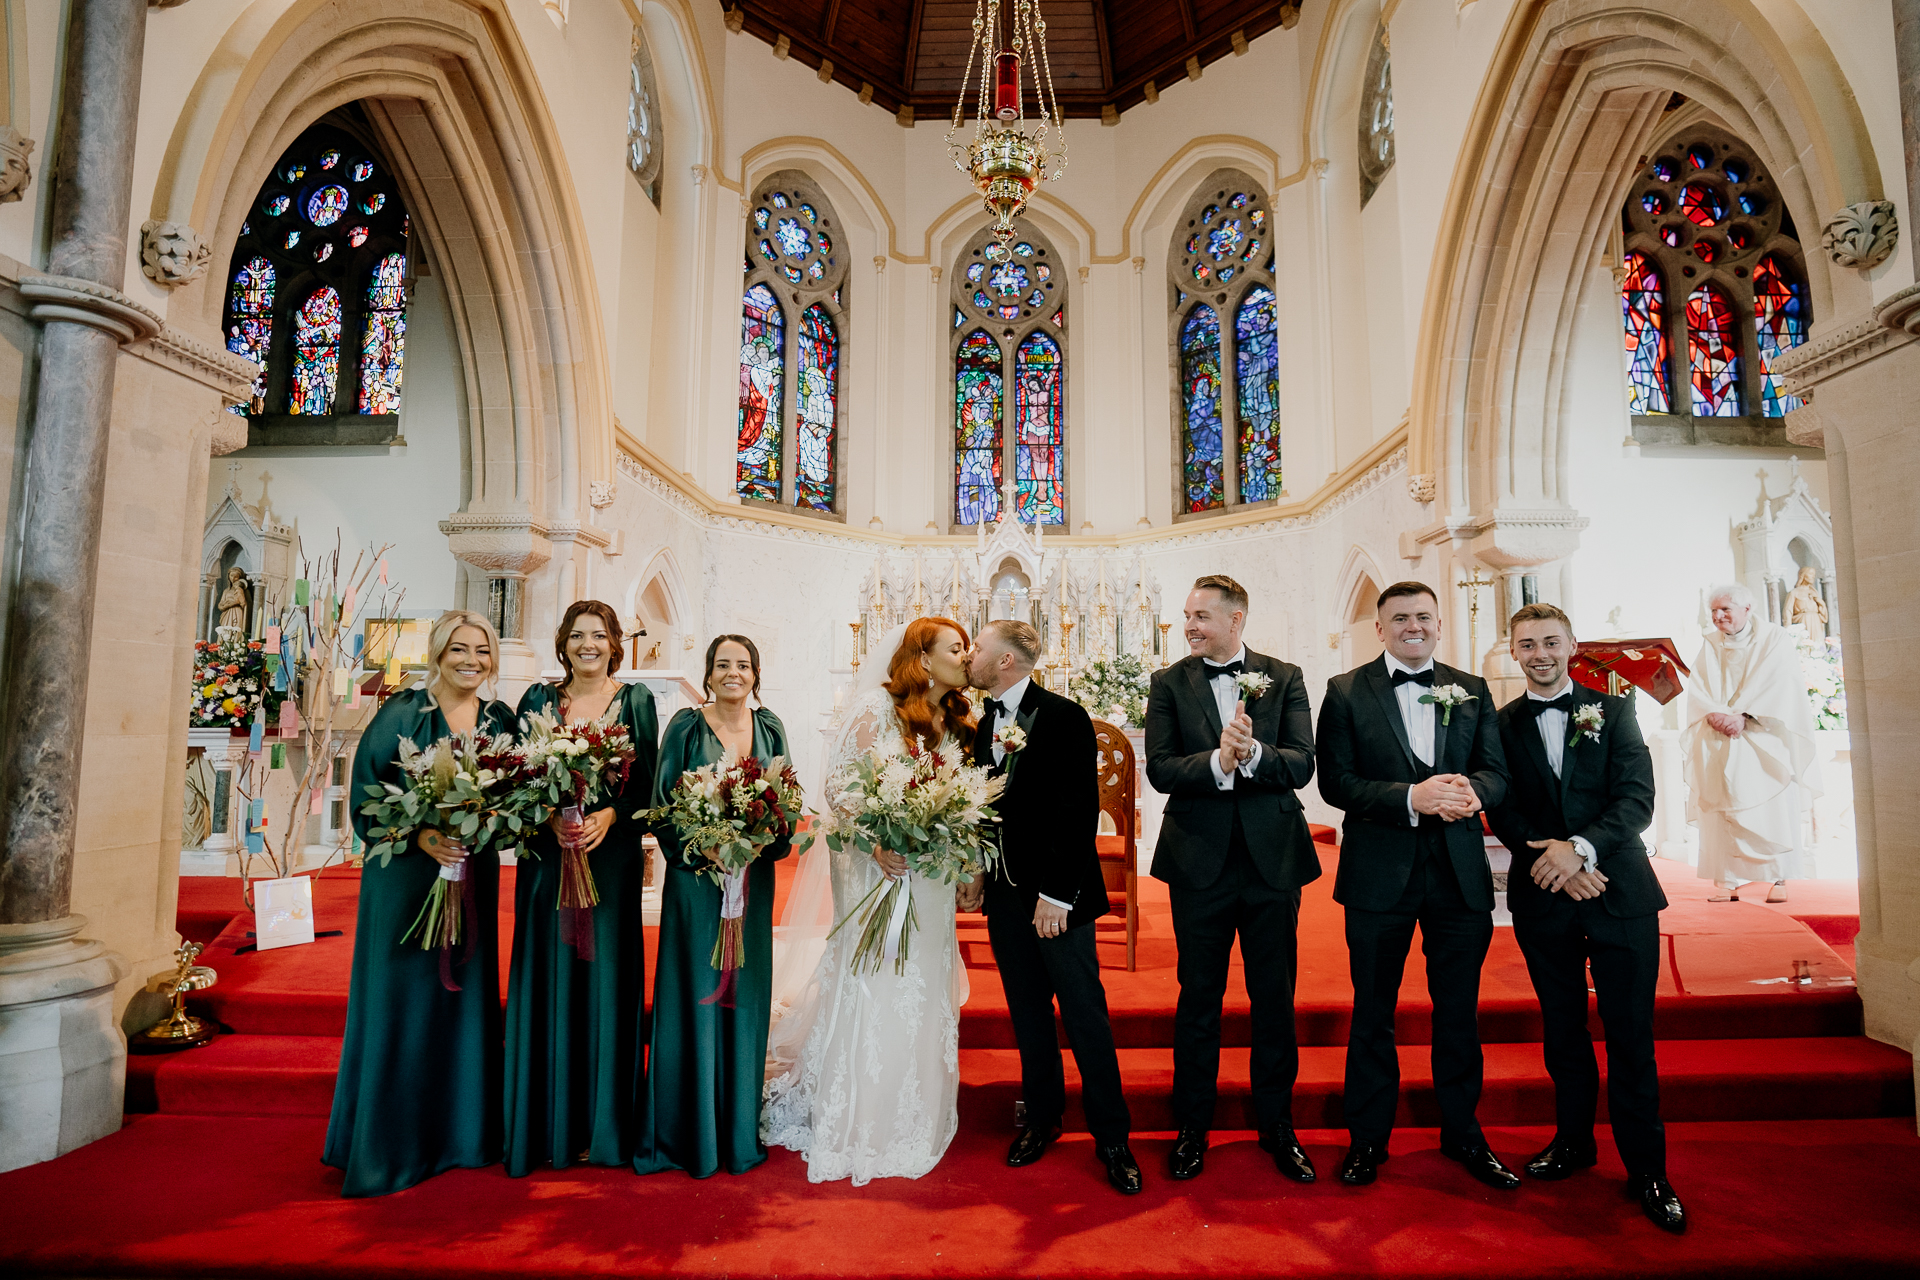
pixel 1010 738
pixel 1587 718
pixel 1252 684
pixel 1447 697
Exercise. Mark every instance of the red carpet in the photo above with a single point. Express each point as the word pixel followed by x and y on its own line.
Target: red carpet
pixel 1784 1121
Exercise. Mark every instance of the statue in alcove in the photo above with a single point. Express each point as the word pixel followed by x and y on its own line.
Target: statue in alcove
pixel 1806 609
pixel 233 602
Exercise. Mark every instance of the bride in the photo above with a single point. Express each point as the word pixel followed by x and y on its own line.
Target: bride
pixel 864 1070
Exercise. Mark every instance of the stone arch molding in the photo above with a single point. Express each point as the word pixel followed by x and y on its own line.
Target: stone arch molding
pixel 448 89
pixel 1572 99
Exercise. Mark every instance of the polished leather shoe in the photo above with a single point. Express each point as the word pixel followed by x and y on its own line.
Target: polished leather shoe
pixel 1030 1144
pixel 1658 1202
pixel 1288 1155
pixel 1362 1163
pixel 1483 1164
pixel 1561 1159
pixel 1122 1170
pixel 1189 1155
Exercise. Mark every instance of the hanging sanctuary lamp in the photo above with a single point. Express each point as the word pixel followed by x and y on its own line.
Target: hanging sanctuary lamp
pixel 1003 161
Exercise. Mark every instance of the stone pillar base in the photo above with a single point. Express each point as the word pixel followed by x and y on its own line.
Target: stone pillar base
pixel 63 1058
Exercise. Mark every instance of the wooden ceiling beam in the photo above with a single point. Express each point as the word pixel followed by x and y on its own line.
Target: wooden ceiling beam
pixel 1186 21
pixel 828 22
pixel 1106 49
pixel 912 57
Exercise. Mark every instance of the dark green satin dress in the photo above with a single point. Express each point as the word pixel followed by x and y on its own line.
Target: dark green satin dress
pixel 575 1034
pixel 419 1085
pixel 708 1062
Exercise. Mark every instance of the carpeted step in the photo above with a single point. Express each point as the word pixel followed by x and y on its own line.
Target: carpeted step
pixel 1801 1078
pixel 238 1075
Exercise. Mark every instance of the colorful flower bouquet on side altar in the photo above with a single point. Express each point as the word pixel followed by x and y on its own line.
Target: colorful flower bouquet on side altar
pixel 729 815
pixel 231 683
pixel 447 789
pixel 931 810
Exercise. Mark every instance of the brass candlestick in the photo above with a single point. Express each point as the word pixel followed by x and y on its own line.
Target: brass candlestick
pixel 182 1030
pixel 1066 650
pixel 1164 628
pixel 855 626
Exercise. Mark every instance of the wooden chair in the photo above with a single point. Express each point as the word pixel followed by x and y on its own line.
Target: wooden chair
pixel 1119 801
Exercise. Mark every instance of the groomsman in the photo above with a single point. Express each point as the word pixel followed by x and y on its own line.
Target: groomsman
pixel 1229 740
pixel 1583 893
pixel 1043 901
pixel 1410 749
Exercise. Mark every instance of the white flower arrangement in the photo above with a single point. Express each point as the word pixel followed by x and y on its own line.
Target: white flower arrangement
pixel 1010 738
pixel 1252 684
pixel 1588 719
pixel 1114 689
pixel 1447 697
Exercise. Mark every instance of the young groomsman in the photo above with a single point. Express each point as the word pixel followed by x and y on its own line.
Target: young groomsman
pixel 1410 749
pixel 1583 894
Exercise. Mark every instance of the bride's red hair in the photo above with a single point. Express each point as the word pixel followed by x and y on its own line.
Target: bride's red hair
pixel 909 683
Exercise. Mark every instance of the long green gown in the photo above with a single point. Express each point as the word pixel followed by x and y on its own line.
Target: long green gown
pixel 708 1062
pixel 419 1085
pixel 575 1036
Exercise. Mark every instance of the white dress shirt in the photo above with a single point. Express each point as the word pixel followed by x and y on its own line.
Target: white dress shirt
pixel 1552 724
pixel 1417 716
pixel 1225 695
pixel 1009 711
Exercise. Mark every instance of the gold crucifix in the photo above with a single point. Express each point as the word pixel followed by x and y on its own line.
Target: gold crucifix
pixel 1473 582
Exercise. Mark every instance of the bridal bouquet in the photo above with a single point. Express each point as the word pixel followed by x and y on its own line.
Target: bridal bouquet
pixel 448 788
pixel 930 809
pixel 729 815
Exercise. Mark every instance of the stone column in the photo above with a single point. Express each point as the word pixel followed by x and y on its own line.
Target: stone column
pixel 62 1057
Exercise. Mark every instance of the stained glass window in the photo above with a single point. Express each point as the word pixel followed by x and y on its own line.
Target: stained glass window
pixel 762 366
pixel 250 320
pixel 1644 305
pixel 383 348
pixel 1713 354
pixel 977 397
pixel 325 206
pixel 643 120
pixel 819 398
pixel 1040 433
pixel 1376 117
pixel 316 346
pixel 1779 325
pixel 1200 395
pixel 1256 355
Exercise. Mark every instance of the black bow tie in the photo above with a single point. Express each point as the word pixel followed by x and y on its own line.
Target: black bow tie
pixel 1414 677
pixel 1217 669
pixel 1563 703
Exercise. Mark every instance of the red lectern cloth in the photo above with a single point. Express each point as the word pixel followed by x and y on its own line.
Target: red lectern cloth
pixel 1652 665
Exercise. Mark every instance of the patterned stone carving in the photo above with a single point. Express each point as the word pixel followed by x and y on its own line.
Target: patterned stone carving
pixel 497 544
pixel 15 172
pixel 1423 487
pixel 1862 235
pixel 172 253
pixel 601 493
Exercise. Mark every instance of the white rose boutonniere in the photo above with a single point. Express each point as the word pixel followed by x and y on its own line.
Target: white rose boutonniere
pixel 1447 697
pixel 1586 719
pixel 1252 684
pixel 1010 738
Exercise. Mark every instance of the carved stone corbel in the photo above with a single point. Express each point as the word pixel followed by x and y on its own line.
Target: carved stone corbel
pixel 1862 235
pixel 172 253
pixel 15 172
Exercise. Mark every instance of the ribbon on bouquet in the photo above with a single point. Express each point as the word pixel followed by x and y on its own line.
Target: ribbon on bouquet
pixel 455 918
pixel 897 922
pixel 730 944
pixel 578 895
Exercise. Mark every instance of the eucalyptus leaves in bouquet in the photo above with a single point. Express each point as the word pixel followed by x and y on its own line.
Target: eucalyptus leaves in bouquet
pixel 1114 689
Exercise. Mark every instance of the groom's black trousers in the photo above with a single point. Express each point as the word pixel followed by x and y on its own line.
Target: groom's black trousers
pixel 1034 971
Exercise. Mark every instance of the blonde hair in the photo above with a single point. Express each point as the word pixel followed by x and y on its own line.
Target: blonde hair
pixel 442 635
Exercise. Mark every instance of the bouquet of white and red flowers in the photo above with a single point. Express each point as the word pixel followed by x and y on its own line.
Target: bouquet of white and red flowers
pixel 930 809
pixel 447 789
pixel 730 814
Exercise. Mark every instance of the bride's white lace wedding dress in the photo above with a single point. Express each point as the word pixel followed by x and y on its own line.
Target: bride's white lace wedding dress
pixel 865 1070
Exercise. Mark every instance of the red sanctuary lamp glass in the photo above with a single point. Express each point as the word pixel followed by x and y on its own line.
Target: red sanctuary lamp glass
pixel 1003 161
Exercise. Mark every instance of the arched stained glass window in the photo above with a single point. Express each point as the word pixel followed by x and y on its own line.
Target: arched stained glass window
pixel 977 397
pixel 1040 433
pixel 1200 390
pixel 1256 334
pixel 1644 304
pixel 316 344
pixel 1376 117
pixel 763 365
pixel 383 349
pixel 819 401
pixel 250 321
pixel 796 267
pixel 1779 325
pixel 1226 340
pixel 1712 355
pixel 643 120
pixel 1009 335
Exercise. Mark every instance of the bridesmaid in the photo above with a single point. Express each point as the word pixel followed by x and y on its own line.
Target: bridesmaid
pixel 419 1085
pixel 574 1030
pixel 702 1093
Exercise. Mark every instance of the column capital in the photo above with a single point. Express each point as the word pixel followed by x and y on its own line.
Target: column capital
pixel 86 302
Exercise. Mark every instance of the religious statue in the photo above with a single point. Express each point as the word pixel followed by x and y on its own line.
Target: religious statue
pixel 1805 607
pixel 233 601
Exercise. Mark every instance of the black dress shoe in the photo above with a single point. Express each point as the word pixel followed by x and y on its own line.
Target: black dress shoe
pixel 1189 1155
pixel 1561 1159
pixel 1288 1156
pixel 1031 1143
pixel 1483 1164
pixel 1658 1202
pixel 1362 1163
pixel 1122 1170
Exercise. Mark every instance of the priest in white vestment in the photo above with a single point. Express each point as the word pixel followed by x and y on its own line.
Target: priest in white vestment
pixel 1749 750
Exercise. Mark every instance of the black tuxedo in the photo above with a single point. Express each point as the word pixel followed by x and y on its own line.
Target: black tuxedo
pixel 1395 873
pixel 1049 815
pixel 1234 861
pixel 1603 794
